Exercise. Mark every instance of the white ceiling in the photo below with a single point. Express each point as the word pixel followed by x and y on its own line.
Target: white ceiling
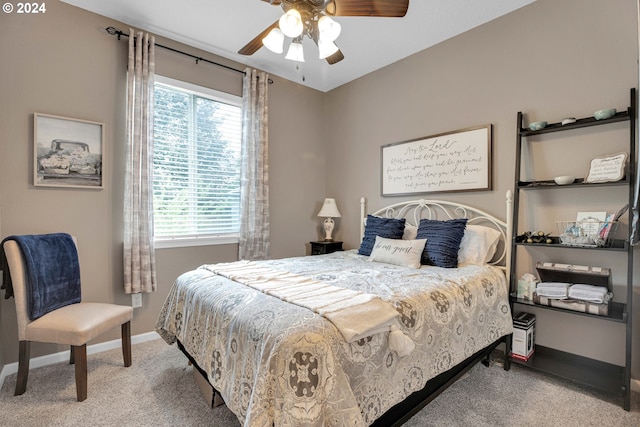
pixel 223 27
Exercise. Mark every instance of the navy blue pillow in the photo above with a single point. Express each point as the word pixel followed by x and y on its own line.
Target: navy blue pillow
pixel 391 228
pixel 443 241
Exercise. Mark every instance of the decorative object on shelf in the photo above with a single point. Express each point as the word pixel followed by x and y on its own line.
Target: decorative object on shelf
pixel 604 114
pixel 537 125
pixel 534 237
pixel 568 120
pixel 329 211
pixel 564 179
pixel 436 163
pixel 607 169
pixel 67 152
pixel 590 229
pixel 526 286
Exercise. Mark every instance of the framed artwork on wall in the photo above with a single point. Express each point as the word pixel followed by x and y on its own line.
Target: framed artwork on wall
pixel 67 152
pixel 451 161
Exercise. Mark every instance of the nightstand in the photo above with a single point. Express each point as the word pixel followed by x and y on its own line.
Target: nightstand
pixel 325 247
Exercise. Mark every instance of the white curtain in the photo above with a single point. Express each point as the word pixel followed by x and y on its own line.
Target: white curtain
pixel 254 191
pixel 139 253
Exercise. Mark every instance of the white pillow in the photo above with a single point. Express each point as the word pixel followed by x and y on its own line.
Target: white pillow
pixel 410 231
pixel 397 251
pixel 478 245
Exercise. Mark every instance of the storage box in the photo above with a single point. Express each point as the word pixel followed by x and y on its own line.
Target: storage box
pixel 210 394
pixel 565 273
pixel 523 342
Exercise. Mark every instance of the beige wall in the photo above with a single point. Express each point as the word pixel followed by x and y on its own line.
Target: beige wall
pixel 62 63
pixel 550 59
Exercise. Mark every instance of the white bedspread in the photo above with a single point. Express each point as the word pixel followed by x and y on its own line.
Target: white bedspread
pixel 278 363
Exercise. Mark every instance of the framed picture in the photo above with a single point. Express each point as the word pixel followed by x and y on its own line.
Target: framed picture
pixel 447 162
pixel 67 152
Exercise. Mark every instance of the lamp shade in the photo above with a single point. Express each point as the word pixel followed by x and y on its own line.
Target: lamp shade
pixel 326 48
pixel 329 209
pixel 291 23
pixel 295 52
pixel 328 28
pixel 274 40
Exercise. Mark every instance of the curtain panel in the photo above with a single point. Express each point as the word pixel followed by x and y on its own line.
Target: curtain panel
pixel 139 251
pixel 254 181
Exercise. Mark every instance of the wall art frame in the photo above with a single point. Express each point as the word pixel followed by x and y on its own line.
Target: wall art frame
pixel 454 161
pixel 67 152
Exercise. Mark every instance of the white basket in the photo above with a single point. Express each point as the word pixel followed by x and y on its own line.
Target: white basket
pixel 587 233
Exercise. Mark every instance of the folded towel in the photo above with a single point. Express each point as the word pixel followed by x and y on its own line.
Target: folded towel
pixel 591 293
pixel 554 290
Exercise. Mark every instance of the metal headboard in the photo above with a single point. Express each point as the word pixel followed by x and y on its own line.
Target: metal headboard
pixel 415 210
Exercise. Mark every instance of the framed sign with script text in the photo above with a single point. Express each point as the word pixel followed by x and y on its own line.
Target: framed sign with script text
pixel 452 161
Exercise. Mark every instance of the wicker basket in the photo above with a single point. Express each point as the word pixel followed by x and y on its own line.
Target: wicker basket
pixel 587 233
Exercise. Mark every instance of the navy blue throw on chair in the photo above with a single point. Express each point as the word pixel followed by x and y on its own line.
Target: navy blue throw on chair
pixel 52 270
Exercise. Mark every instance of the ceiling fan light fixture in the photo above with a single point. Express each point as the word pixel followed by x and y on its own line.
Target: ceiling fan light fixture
pixel 291 23
pixel 328 28
pixel 274 41
pixel 295 52
pixel 326 48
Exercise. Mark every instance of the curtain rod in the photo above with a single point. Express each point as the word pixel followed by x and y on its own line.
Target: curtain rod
pixel 115 32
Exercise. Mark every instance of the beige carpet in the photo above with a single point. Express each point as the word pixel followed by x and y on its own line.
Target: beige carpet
pixel 159 390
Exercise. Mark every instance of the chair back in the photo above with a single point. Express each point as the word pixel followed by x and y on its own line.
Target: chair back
pixel 18 271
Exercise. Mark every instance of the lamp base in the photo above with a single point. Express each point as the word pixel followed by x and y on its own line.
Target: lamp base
pixel 328 229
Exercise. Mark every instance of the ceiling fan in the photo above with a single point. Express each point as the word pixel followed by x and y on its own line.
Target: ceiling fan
pixel 313 18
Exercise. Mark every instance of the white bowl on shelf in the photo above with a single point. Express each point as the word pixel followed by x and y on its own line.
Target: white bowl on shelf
pixel 564 179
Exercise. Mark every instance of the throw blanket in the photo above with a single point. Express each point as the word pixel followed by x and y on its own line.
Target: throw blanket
pixel 52 270
pixel 357 315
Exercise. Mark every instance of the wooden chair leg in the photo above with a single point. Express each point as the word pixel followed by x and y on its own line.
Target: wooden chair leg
pixel 126 343
pixel 80 358
pixel 71 361
pixel 23 367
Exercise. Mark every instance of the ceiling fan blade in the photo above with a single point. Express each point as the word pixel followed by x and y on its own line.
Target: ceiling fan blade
pixel 254 45
pixel 336 57
pixel 382 8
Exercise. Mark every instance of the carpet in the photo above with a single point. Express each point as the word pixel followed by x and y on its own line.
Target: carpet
pixel 159 390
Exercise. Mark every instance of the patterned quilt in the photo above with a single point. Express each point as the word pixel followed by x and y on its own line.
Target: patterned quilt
pixel 275 363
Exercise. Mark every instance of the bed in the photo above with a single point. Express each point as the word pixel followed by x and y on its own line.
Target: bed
pixel 275 358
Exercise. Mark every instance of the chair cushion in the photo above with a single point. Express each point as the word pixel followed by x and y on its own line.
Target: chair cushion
pixel 76 324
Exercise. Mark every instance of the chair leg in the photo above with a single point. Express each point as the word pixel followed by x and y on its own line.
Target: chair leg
pixel 23 367
pixel 71 361
pixel 80 358
pixel 126 343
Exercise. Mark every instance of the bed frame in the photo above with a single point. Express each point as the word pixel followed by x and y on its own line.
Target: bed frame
pixel 413 211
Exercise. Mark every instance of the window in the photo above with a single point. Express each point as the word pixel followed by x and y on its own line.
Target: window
pixel 196 165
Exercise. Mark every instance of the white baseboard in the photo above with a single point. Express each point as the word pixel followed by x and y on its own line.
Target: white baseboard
pixel 63 356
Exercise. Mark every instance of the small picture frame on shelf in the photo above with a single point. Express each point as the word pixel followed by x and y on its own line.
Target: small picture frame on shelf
pixel 609 168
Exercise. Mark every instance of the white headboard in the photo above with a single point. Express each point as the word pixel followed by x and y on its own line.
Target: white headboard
pixel 415 210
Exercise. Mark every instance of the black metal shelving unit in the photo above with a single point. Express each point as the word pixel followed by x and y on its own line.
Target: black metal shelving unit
pixel 604 376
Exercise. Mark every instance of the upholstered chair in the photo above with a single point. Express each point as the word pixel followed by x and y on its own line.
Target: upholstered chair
pixel 74 324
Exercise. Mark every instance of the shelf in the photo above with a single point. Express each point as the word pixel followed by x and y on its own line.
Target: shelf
pixel 580 123
pixel 617 311
pixel 616 245
pixel 546 184
pixel 582 370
